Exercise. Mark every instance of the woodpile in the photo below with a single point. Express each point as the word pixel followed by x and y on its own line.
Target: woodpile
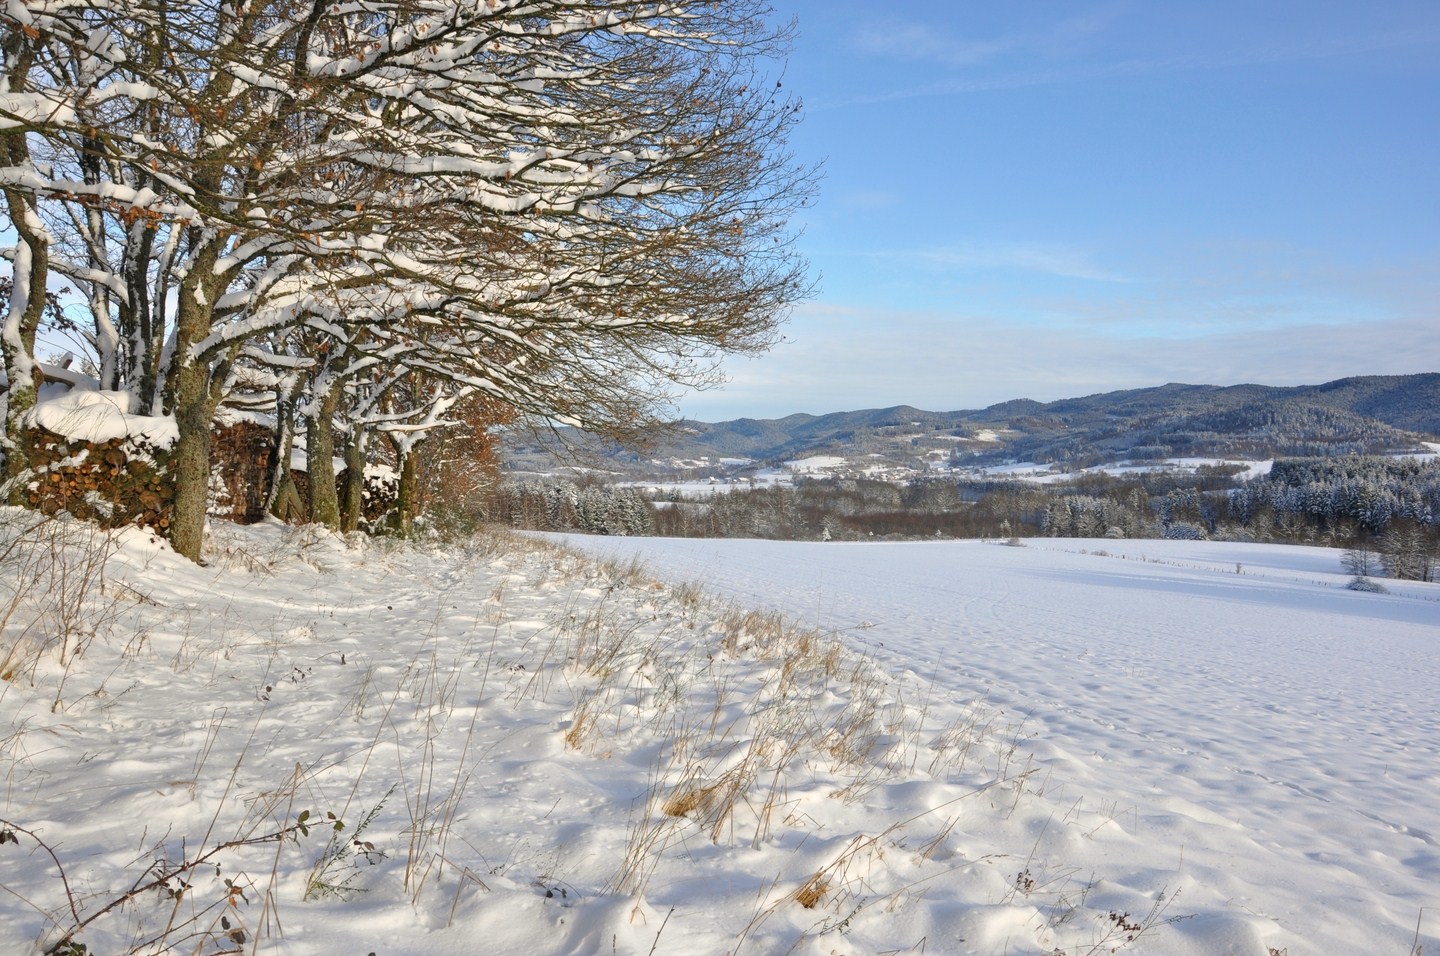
pixel 117 482
pixel 381 493
pixel 240 468
pixel 126 481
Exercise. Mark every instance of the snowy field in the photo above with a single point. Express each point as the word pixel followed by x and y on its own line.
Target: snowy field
pixel 1244 730
pixel 1037 474
pixel 959 748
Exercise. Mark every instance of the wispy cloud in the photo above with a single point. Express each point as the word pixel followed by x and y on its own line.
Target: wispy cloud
pixel 833 363
pixel 1221 313
pixel 1048 259
pixel 1280 52
pixel 1003 255
pixel 933 43
pixel 868 199
pixel 1198 289
pixel 926 43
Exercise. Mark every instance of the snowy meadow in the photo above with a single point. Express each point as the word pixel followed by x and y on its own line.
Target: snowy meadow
pixel 319 744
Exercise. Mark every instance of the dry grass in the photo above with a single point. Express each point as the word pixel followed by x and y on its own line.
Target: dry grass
pixel 744 709
pixel 54 599
pixel 812 891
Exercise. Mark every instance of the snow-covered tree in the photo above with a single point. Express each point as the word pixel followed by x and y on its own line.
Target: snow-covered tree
pixel 566 205
pixel 1359 561
pixel 1408 552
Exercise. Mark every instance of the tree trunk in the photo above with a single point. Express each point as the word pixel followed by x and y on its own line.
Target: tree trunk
pixel 193 390
pixel 281 485
pixel 407 497
pixel 352 505
pixel 288 506
pixel 190 463
pixel 320 447
pixel 31 268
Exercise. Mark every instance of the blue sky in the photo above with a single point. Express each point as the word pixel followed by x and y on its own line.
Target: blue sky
pixel 1045 199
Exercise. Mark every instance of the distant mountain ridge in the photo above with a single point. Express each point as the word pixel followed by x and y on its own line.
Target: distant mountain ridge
pixel 1363 414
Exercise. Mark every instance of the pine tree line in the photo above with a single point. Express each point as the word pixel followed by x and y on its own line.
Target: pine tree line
pixel 566 506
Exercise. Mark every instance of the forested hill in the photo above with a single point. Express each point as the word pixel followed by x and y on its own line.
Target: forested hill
pixel 1368 414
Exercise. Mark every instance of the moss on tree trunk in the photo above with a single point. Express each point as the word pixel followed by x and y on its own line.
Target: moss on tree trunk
pixel 320 448
pixel 194 393
pixel 352 503
pixel 191 460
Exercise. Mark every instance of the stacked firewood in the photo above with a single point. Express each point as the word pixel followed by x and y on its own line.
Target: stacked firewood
pixel 114 483
pixel 240 457
pixel 381 493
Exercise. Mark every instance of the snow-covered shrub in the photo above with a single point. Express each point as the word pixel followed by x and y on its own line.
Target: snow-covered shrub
pixel 1362 583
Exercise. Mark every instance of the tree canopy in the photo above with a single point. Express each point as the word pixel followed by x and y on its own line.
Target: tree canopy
pixel 568 206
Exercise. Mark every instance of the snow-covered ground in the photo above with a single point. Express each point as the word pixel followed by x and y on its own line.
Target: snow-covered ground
pixel 1034 473
pixel 971 748
pixel 816 464
pixel 1222 720
pixel 704 489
